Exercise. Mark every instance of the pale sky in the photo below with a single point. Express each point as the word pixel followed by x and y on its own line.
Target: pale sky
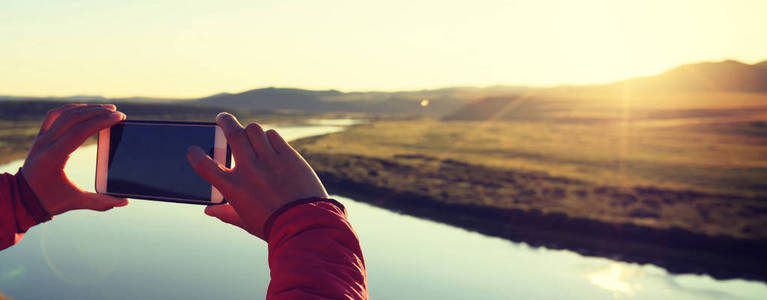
pixel 185 48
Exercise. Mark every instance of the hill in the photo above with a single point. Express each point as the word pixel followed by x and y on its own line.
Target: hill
pixel 86 98
pixel 724 76
pixel 441 101
pixel 762 65
pixel 727 89
pixel 275 98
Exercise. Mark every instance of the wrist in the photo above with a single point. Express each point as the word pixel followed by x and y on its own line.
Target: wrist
pixel 31 201
pixel 274 215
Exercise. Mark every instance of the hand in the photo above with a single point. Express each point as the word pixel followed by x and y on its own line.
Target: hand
pixel 268 174
pixel 64 129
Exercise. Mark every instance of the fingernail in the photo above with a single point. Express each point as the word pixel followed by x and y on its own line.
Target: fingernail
pixel 195 153
pixel 117 114
pixel 221 115
pixel 110 106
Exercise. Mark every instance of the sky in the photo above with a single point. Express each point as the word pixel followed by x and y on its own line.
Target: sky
pixel 189 48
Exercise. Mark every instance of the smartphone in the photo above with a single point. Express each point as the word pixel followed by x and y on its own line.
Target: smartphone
pixel 147 160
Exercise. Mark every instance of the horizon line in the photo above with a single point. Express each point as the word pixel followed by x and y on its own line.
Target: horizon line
pixel 432 88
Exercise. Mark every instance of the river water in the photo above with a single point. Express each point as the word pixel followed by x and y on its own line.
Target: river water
pixel 157 250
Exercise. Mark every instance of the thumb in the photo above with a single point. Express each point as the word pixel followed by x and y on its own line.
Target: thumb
pixel 207 168
pixel 227 214
pixel 101 202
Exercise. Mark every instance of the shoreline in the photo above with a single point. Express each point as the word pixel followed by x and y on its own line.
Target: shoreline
pixel 17 155
pixel 678 250
pixel 12 157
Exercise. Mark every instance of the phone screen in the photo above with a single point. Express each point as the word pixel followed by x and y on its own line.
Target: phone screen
pixel 150 160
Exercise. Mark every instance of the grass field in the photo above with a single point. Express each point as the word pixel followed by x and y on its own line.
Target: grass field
pixel 718 158
pixel 701 169
pixel 16 138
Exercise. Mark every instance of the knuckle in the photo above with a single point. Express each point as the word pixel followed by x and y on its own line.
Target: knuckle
pixel 234 133
pixel 67 114
pixel 229 134
pixel 223 184
pixel 52 111
pixel 58 109
pixel 43 138
pixel 79 129
pixel 254 127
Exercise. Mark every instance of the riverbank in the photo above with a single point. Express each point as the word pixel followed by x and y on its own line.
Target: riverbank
pixel 682 230
pixel 676 249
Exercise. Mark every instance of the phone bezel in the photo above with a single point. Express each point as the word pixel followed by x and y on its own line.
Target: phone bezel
pixel 221 152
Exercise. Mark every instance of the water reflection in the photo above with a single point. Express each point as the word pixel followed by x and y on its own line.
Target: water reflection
pixel 614 279
pixel 156 250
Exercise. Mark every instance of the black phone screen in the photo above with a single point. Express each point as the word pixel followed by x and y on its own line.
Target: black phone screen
pixel 149 160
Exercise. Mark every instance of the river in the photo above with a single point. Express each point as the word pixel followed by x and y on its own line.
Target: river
pixel 157 250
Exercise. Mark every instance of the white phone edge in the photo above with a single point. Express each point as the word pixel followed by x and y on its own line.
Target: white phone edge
pixel 102 162
pixel 219 155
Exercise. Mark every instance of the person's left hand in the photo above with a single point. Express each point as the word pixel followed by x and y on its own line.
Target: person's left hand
pixel 64 129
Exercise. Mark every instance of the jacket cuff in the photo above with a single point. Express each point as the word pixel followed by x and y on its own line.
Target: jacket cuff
pixel 270 221
pixel 30 201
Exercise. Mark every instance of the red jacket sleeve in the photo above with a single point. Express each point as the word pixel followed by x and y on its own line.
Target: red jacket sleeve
pixel 314 253
pixel 19 209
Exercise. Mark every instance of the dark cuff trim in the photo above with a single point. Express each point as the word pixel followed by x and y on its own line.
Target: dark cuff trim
pixel 270 221
pixel 30 200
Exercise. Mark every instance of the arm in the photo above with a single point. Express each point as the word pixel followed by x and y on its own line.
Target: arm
pixel 41 189
pixel 19 209
pixel 313 250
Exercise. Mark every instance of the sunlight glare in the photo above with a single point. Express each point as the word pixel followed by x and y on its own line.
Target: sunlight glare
pixel 613 279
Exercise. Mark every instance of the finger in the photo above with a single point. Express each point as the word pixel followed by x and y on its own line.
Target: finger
pixel 213 172
pixel 258 140
pixel 52 114
pixel 236 137
pixel 227 214
pixel 279 144
pixel 101 202
pixel 77 134
pixel 74 116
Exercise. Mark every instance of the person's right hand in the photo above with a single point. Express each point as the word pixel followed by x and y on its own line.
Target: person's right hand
pixel 268 174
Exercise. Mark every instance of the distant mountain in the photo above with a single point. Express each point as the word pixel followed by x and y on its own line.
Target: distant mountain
pixel 727 76
pixel 85 99
pixel 77 98
pixel 440 101
pixel 724 76
pixel 274 99
pixel 761 65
